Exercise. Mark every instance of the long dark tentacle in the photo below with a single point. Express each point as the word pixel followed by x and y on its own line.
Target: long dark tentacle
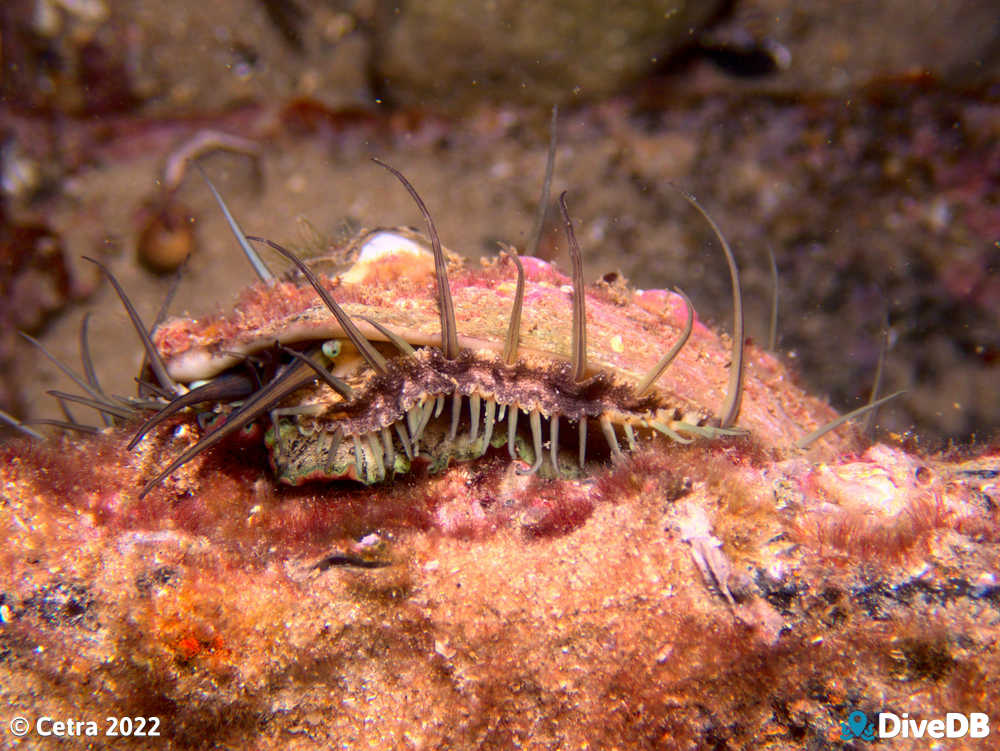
pixel 372 356
pixel 579 304
pixel 399 342
pixel 869 426
pixel 449 329
pixel 19 425
pixel 543 201
pixel 88 366
pixel 152 388
pixel 161 316
pixel 821 431
pixel 97 399
pixel 155 361
pixel 97 396
pixel 175 284
pixel 657 370
pixel 223 388
pixel 101 405
pixel 64 425
pixel 734 394
pixel 293 378
pixel 67 412
pixel 329 378
pixel 772 329
pixel 514 327
pixel 263 272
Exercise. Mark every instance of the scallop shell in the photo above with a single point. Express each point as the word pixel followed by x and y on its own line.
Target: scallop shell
pixel 392 282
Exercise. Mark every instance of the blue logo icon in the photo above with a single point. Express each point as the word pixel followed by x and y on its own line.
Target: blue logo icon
pixel 857 726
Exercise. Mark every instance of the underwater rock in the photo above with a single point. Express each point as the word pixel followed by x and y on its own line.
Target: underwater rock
pixel 480 608
pixel 458 55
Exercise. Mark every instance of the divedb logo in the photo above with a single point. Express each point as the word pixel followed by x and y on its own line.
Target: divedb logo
pixel 890 725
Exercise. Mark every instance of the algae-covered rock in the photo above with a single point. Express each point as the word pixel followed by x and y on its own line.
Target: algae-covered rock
pixel 689 598
pixel 536 51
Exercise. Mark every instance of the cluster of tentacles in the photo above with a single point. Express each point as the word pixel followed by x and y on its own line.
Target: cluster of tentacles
pixel 377 432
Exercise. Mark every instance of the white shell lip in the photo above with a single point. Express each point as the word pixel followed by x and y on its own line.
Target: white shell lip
pixel 382 244
pixel 202 362
pixel 197 364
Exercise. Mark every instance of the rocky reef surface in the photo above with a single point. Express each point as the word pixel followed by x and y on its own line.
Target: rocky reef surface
pixel 691 597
